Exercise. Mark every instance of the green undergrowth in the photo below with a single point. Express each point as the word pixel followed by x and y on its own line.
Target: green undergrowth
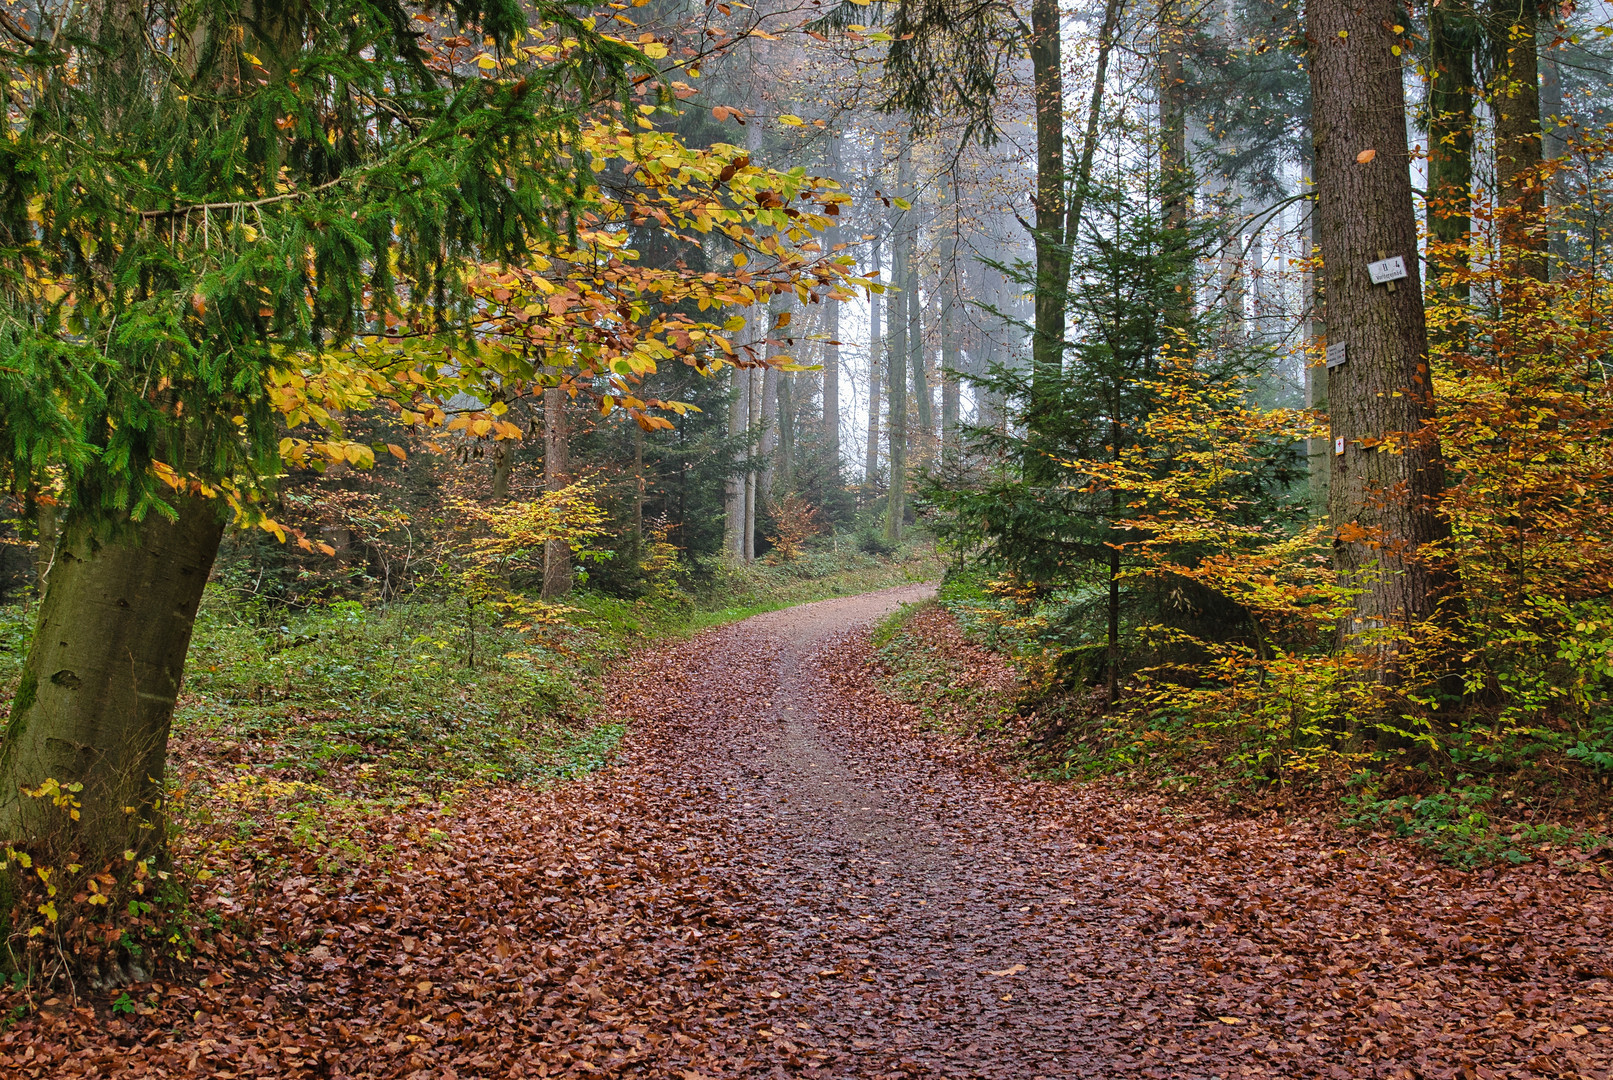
pixel 937 681
pixel 430 695
pixel 1477 801
pixel 305 735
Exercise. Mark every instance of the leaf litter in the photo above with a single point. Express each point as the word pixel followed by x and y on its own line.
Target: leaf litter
pixel 783 874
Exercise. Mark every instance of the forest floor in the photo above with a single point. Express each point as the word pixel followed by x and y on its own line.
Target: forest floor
pixel 782 874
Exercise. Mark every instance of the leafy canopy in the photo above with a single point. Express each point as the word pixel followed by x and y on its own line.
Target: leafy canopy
pixel 220 222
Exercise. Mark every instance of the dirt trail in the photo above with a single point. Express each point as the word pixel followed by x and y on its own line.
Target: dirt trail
pixel 780 877
pixel 928 916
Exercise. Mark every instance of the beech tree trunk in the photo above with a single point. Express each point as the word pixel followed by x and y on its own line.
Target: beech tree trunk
pixel 556 475
pixel 896 374
pixel 734 504
pixel 1385 485
pixel 1515 101
pixel 784 471
pixel 504 457
pixel 831 347
pixel 875 378
pixel 97 693
pixel 1450 129
pixel 918 357
pixel 753 414
pixel 949 373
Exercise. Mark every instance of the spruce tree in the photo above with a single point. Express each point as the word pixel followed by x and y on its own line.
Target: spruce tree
pixel 193 201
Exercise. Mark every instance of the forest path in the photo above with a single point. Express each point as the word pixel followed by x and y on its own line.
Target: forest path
pixel 780 876
pixel 897 907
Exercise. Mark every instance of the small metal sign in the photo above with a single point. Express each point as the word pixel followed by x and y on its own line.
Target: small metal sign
pixel 1335 355
pixel 1338 446
pixel 1386 270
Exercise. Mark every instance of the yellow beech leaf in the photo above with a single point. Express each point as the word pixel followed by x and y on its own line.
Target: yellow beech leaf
pixel 791 121
pixel 654 50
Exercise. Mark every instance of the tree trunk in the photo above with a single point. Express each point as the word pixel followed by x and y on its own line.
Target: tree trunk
pixel 1089 138
pixel 1318 450
pixel 734 504
pixel 1052 250
pixel 949 370
pixel 777 309
pixel 638 486
pixel 755 423
pixel 831 348
pixel 1554 145
pixel 1515 101
pixel 1174 172
pixel 769 440
pixel 918 362
pixel 896 375
pixel 875 378
pixel 786 433
pixel 1385 485
pixel 556 475
pixel 504 458
pixel 97 693
pixel 44 543
pixel 1450 133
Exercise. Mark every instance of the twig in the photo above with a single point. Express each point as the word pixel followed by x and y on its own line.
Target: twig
pixel 240 205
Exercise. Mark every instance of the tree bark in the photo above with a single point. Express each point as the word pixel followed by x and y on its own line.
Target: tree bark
pixel 97 693
pixel 875 378
pixel 785 472
pixel 1515 101
pixel 777 309
pixel 918 358
pixel 754 423
pixel 638 486
pixel 44 543
pixel 1052 249
pixel 734 504
pixel 896 373
pixel 1450 132
pixel 1175 177
pixel 1318 450
pixel 1385 485
pixel 831 348
pixel 949 367
pixel 504 459
pixel 556 475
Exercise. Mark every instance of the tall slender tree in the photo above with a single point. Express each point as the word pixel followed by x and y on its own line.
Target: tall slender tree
pixel 1515 101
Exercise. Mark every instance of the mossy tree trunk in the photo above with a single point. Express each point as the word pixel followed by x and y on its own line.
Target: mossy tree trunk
pixel 97 694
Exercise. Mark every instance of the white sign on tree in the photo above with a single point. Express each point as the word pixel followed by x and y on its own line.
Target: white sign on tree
pixel 1386 270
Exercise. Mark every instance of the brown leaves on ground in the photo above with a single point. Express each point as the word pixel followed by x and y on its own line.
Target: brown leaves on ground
pixel 781 876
